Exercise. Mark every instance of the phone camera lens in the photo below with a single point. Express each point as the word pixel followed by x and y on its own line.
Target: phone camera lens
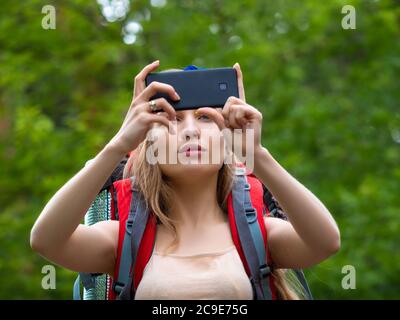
pixel 223 86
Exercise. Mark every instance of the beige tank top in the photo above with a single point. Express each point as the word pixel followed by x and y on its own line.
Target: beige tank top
pixel 217 275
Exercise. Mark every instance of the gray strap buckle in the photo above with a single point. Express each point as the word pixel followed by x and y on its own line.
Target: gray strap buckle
pixel 265 271
pixel 251 215
pixel 240 171
pixel 118 287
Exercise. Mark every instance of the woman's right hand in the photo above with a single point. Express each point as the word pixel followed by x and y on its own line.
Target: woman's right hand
pixel 140 118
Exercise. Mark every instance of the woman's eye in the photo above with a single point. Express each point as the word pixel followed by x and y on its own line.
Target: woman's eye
pixel 204 117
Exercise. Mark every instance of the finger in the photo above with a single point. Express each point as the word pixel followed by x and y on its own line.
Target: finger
pixel 162 120
pixel 227 107
pixel 217 117
pixel 232 117
pixel 213 114
pixel 225 110
pixel 240 81
pixel 157 87
pixel 240 117
pixel 140 84
pixel 162 105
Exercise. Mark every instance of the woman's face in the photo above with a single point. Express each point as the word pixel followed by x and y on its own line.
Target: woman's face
pixel 197 148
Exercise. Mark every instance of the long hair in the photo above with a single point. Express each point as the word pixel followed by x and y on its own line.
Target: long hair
pixel 158 193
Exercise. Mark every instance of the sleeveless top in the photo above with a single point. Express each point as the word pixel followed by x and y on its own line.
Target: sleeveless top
pixel 209 276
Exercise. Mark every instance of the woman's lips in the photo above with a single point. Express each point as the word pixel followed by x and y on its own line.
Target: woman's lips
pixel 192 149
pixel 191 152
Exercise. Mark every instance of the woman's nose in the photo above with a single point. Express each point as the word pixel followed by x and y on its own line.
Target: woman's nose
pixel 190 129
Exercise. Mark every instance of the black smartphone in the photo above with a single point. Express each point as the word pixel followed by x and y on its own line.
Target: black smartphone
pixel 198 88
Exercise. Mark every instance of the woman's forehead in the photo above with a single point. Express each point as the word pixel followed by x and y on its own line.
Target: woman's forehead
pixel 186 112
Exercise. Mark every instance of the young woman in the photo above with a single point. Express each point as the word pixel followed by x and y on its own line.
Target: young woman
pixel 194 255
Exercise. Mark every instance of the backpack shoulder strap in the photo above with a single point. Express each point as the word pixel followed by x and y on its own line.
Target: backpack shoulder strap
pixel 137 231
pixel 249 233
pixel 123 201
pixel 273 209
pixel 257 200
pixel 136 239
pixel 145 249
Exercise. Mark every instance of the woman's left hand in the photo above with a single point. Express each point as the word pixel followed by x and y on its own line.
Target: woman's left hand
pixel 237 114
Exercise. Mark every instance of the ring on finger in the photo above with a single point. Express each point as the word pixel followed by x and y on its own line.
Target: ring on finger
pixel 153 105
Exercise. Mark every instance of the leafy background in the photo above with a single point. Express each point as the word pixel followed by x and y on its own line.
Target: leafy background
pixel 329 96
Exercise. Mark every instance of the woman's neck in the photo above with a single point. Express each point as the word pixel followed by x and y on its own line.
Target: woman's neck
pixel 195 202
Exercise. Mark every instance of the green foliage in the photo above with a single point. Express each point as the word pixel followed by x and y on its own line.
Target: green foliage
pixel 329 97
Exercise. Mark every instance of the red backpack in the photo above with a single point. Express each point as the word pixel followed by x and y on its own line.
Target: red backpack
pixel 248 203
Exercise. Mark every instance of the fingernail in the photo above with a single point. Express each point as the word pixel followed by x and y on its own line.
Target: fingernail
pixel 157 61
pixel 177 95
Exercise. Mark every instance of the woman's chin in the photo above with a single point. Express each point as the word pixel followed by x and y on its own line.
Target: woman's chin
pixel 191 169
pixel 195 165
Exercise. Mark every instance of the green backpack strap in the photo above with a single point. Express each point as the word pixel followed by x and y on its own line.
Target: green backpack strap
pixel 89 283
pixel 96 284
pixel 77 288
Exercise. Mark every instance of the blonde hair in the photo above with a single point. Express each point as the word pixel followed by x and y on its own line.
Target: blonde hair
pixel 159 195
